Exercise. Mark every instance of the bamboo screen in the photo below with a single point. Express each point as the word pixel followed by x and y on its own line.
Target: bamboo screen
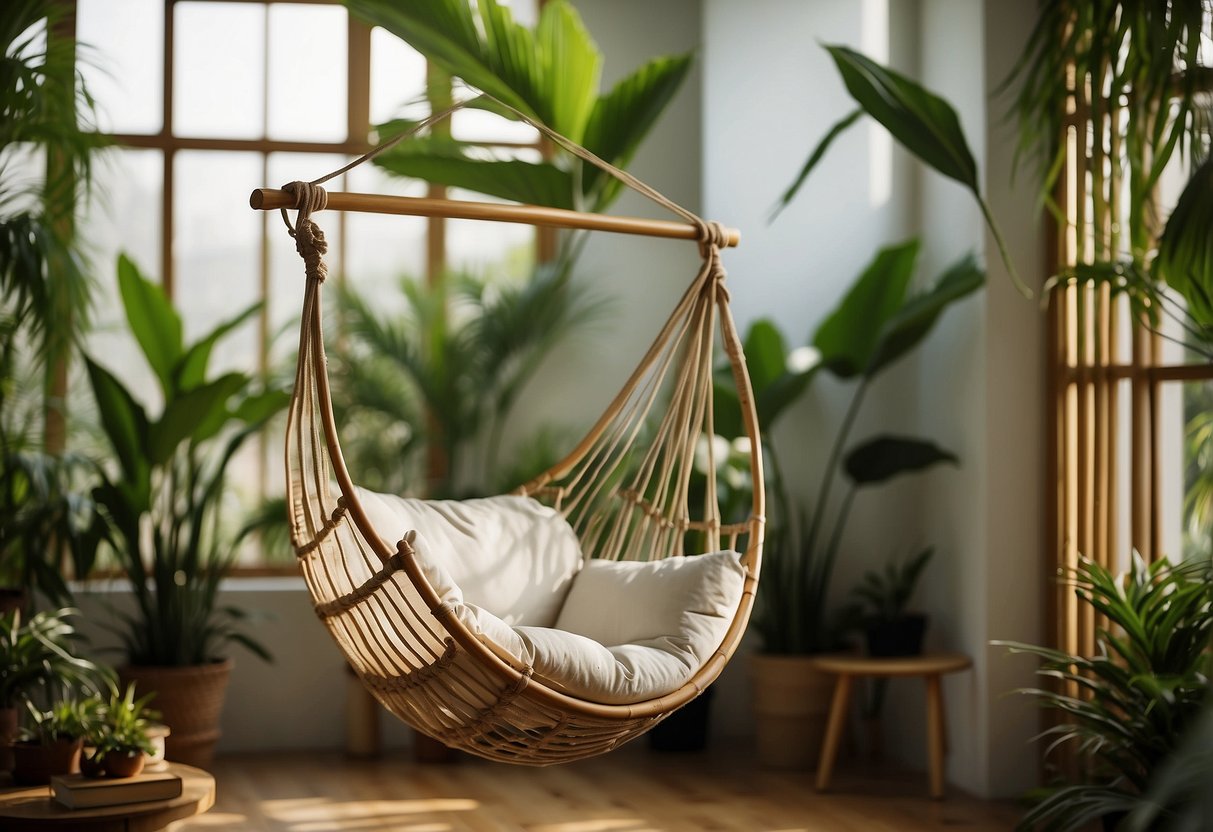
pixel 1121 451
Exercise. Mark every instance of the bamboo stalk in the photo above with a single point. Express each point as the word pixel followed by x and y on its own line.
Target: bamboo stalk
pixel 269 199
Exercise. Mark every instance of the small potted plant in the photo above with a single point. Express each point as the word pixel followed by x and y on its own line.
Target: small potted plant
pixel 120 740
pixel 52 742
pixel 38 661
pixel 880 611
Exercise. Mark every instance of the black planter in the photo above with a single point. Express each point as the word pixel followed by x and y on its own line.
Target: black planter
pixel 687 728
pixel 899 637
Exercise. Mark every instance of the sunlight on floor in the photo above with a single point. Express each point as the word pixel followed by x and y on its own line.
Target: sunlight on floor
pixel 220 820
pixel 600 825
pixel 318 814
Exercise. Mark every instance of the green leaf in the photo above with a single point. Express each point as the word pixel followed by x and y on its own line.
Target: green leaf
pixel 190 371
pixel 849 337
pixel 765 354
pixel 436 159
pixel 885 457
pixel 124 422
pixel 192 416
pixel 260 407
pixel 919 120
pixel 567 71
pixel 623 117
pixel 1185 250
pixel 915 319
pixel 448 34
pixel 153 321
pixel 818 152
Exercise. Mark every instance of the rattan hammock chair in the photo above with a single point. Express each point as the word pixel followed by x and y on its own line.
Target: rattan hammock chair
pixel 417 657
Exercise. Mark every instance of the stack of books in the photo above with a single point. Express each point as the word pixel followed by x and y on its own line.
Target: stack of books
pixel 76 791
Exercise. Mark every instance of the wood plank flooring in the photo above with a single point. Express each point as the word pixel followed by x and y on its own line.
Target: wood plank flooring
pixel 632 790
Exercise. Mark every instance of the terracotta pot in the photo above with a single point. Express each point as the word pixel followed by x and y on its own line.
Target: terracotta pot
pixel 791 708
pixel 8 735
pixel 34 764
pixel 190 700
pixel 124 764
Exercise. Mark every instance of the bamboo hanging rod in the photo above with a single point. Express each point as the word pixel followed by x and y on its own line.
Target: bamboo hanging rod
pixel 271 199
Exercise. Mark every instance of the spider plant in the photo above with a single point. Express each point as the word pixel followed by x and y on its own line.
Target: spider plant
pixel 1145 87
pixel 39 661
pixel 45 291
pixel 1129 707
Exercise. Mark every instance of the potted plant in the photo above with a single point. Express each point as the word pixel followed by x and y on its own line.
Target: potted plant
pixel 45 295
pixel 163 499
pixel 38 663
pixel 52 741
pixel 1130 706
pixel 877 322
pixel 879 611
pixel 120 742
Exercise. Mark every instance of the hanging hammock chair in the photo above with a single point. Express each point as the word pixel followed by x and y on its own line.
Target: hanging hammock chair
pixel 415 593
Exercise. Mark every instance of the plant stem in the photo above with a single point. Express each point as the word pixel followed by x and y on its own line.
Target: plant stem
pixel 827 479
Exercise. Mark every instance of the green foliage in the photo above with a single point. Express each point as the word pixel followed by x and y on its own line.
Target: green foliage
pixel 164 500
pixel 918 119
pixel 550 74
pixel 45 293
pixel 464 374
pixel 883 596
pixel 1125 710
pixel 121 724
pixel 1185 250
pixel 38 660
pixel 66 719
pixel 877 322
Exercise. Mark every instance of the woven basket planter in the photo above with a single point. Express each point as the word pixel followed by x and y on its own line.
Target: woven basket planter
pixel 190 701
pixel 791 707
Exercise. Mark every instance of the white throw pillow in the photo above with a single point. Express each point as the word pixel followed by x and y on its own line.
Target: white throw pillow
pixel 510 555
pixel 690 598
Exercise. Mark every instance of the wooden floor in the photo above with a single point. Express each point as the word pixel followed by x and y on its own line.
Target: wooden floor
pixel 632 790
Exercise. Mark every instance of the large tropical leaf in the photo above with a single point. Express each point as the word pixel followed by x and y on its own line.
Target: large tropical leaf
pixel 623 117
pixel 124 421
pixel 1185 250
pixel 191 368
pixel 915 319
pixel 441 160
pixel 885 457
pixel 569 68
pixel 197 414
pixel 152 319
pixel 849 337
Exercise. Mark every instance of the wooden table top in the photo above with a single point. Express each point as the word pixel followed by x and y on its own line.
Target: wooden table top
pixel 23 809
pixel 927 664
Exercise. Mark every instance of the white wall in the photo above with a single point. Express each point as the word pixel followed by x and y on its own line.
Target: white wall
pixel 975 386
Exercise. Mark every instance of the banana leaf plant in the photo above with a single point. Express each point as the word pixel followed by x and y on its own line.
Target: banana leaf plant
pixel 1127 709
pixel 164 494
pixel 552 73
pixel 875 324
pixel 922 122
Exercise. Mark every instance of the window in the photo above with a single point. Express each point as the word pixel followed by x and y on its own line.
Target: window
pixel 208 99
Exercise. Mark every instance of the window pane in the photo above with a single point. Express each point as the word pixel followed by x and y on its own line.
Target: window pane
pixel 123 216
pixel 219 68
pixel 492 249
pixel 217 250
pixel 380 248
pixel 122 61
pixel 481 126
pixel 397 75
pixel 22 176
pixel 307 72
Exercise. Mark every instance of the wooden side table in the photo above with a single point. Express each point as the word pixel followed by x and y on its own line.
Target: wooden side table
pixel 930 667
pixel 32 809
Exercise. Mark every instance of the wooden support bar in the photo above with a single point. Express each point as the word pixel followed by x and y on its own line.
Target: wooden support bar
pixel 269 199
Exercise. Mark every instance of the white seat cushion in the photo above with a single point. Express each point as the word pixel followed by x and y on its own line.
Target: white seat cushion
pixel 629 631
pixel 512 555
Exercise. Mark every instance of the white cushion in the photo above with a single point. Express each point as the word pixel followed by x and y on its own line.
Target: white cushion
pixel 508 554
pixel 634 630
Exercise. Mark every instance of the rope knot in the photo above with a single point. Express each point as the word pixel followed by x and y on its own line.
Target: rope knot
pixel 309 238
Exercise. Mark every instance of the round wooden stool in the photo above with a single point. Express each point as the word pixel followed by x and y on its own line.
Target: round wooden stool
pixel 930 667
